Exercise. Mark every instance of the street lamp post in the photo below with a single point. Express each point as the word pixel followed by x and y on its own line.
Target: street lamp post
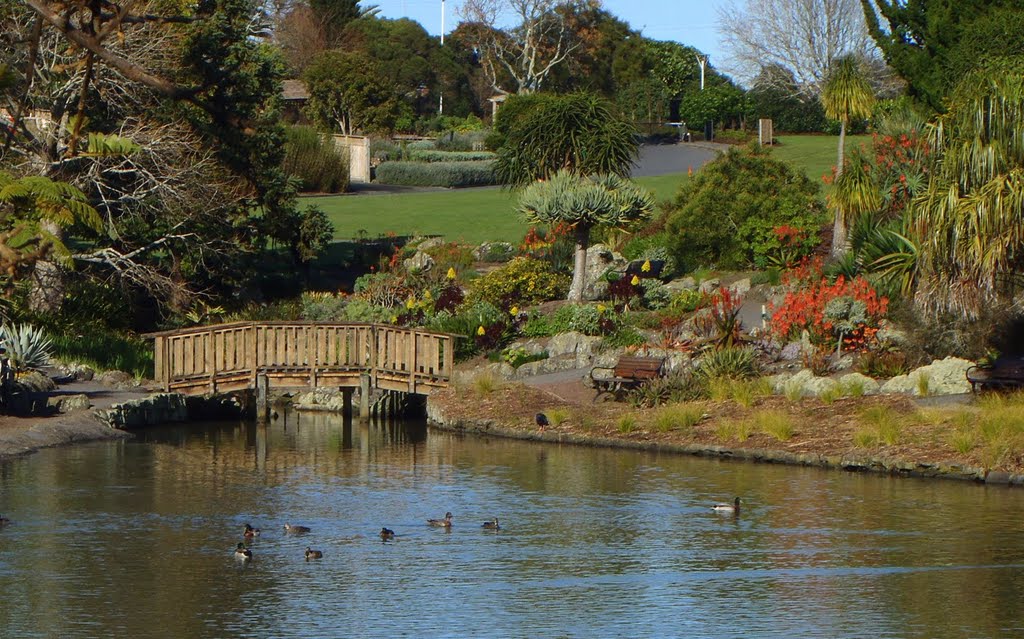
pixel 440 100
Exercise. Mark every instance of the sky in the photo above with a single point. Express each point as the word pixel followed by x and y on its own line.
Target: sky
pixel 690 22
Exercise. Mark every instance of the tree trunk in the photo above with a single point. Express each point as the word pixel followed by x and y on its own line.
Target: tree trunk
pixel 839 228
pixel 48 282
pixel 579 270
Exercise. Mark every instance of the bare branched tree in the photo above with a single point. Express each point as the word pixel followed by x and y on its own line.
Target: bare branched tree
pixel 802 36
pixel 520 58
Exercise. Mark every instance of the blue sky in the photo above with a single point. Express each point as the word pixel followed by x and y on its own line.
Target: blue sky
pixel 691 22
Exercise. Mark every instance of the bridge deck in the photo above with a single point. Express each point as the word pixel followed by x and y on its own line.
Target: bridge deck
pixel 231 356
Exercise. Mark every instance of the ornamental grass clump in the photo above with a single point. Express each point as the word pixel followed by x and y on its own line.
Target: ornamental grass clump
pixel 735 362
pixel 775 424
pixel 557 416
pixel 881 425
pixel 681 417
pixel 627 424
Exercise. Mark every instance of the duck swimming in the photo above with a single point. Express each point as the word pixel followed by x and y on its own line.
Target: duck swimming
pixel 242 553
pixel 313 554
pixel 387 533
pixel 250 532
pixel 491 525
pixel 734 507
pixel 441 523
pixel 4 521
pixel 298 530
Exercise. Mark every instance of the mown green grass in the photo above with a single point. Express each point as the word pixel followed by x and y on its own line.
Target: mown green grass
pixel 815 154
pixel 469 215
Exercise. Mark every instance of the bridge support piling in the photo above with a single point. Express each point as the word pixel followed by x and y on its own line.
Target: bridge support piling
pixel 346 406
pixel 364 398
pixel 262 399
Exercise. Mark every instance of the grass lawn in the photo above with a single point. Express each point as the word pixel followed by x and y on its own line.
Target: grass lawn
pixel 470 215
pixel 815 154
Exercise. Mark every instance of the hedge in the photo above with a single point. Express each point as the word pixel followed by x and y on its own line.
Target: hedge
pixel 449 174
pixel 450 156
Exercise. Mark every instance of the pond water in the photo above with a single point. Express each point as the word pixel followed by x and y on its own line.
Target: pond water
pixel 136 539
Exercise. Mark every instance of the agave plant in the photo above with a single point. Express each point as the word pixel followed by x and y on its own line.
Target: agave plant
pixel 27 346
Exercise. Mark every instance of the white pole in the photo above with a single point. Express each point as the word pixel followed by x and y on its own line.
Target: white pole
pixel 702 60
pixel 440 100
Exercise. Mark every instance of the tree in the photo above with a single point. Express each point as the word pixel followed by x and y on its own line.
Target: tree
pixel 580 133
pixel 932 43
pixel 527 52
pixel 801 36
pixel 349 93
pixel 196 91
pixel 969 221
pixel 846 94
pixel 584 202
pixel 775 95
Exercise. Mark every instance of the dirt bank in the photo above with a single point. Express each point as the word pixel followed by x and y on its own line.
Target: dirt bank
pixel 891 434
pixel 24 435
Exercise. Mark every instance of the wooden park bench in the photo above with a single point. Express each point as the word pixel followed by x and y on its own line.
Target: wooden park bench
pixel 628 373
pixel 1004 373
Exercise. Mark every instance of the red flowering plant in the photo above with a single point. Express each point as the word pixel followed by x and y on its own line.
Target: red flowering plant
pixel 845 313
pixel 900 168
pixel 725 315
pixel 788 245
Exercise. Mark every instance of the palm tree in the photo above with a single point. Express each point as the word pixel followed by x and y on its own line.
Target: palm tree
pixel 854 195
pixel 969 222
pixel 846 94
pixel 583 203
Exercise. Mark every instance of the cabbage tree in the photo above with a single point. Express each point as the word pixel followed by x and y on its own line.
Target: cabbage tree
pixel 583 203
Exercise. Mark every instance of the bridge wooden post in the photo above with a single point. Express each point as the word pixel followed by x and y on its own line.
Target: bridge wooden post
pixel 346 402
pixel 364 397
pixel 262 398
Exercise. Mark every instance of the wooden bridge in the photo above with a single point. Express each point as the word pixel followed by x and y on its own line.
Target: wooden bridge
pixel 258 355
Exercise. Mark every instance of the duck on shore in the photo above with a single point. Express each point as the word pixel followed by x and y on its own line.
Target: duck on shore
pixel 734 507
pixel 297 530
pixel 441 523
pixel 313 554
pixel 242 553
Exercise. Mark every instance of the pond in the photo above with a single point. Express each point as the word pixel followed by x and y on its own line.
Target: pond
pixel 136 539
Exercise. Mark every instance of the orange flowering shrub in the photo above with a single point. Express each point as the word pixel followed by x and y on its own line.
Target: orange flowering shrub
pixel 849 310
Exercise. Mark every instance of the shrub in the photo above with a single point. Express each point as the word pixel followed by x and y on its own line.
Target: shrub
pixel 105 350
pixel 27 346
pixel 516 357
pixel 623 337
pixel 446 174
pixel 883 364
pixel 521 282
pixel 676 386
pixel 687 301
pixel 467 320
pixel 319 306
pixel 733 362
pixel 312 157
pixel 726 215
pixel 847 310
pixel 450 156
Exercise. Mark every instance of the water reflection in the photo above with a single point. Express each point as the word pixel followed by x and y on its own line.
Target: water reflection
pixel 136 539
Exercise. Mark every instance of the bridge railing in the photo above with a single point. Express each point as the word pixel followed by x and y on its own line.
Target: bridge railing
pixel 231 356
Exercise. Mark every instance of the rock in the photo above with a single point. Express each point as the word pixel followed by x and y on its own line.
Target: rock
pixel 161 408
pixel 600 260
pixel 740 287
pixel 498 370
pixel 69 403
pixel 36 382
pixel 710 285
pixel 323 399
pixel 429 243
pixel 118 379
pixel 941 377
pixel 684 284
pixel 549 365
pixel 806 384
pixel 494 252
pixel 532 346
pixel 576 344
pixel 77 372
pixel 889 334
pixel 421 263
pixel 778 382
pixel 854 380
pixel 842 363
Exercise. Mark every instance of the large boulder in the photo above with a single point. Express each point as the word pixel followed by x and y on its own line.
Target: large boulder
pixel 600 260
pixel 941 377
pixel 68 403
pixel 576 344
pixel 866 384
pixel 494 252
pixel 419 263
pixel 684 284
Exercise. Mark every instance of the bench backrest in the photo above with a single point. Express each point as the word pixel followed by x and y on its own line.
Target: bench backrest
pixel 639 367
